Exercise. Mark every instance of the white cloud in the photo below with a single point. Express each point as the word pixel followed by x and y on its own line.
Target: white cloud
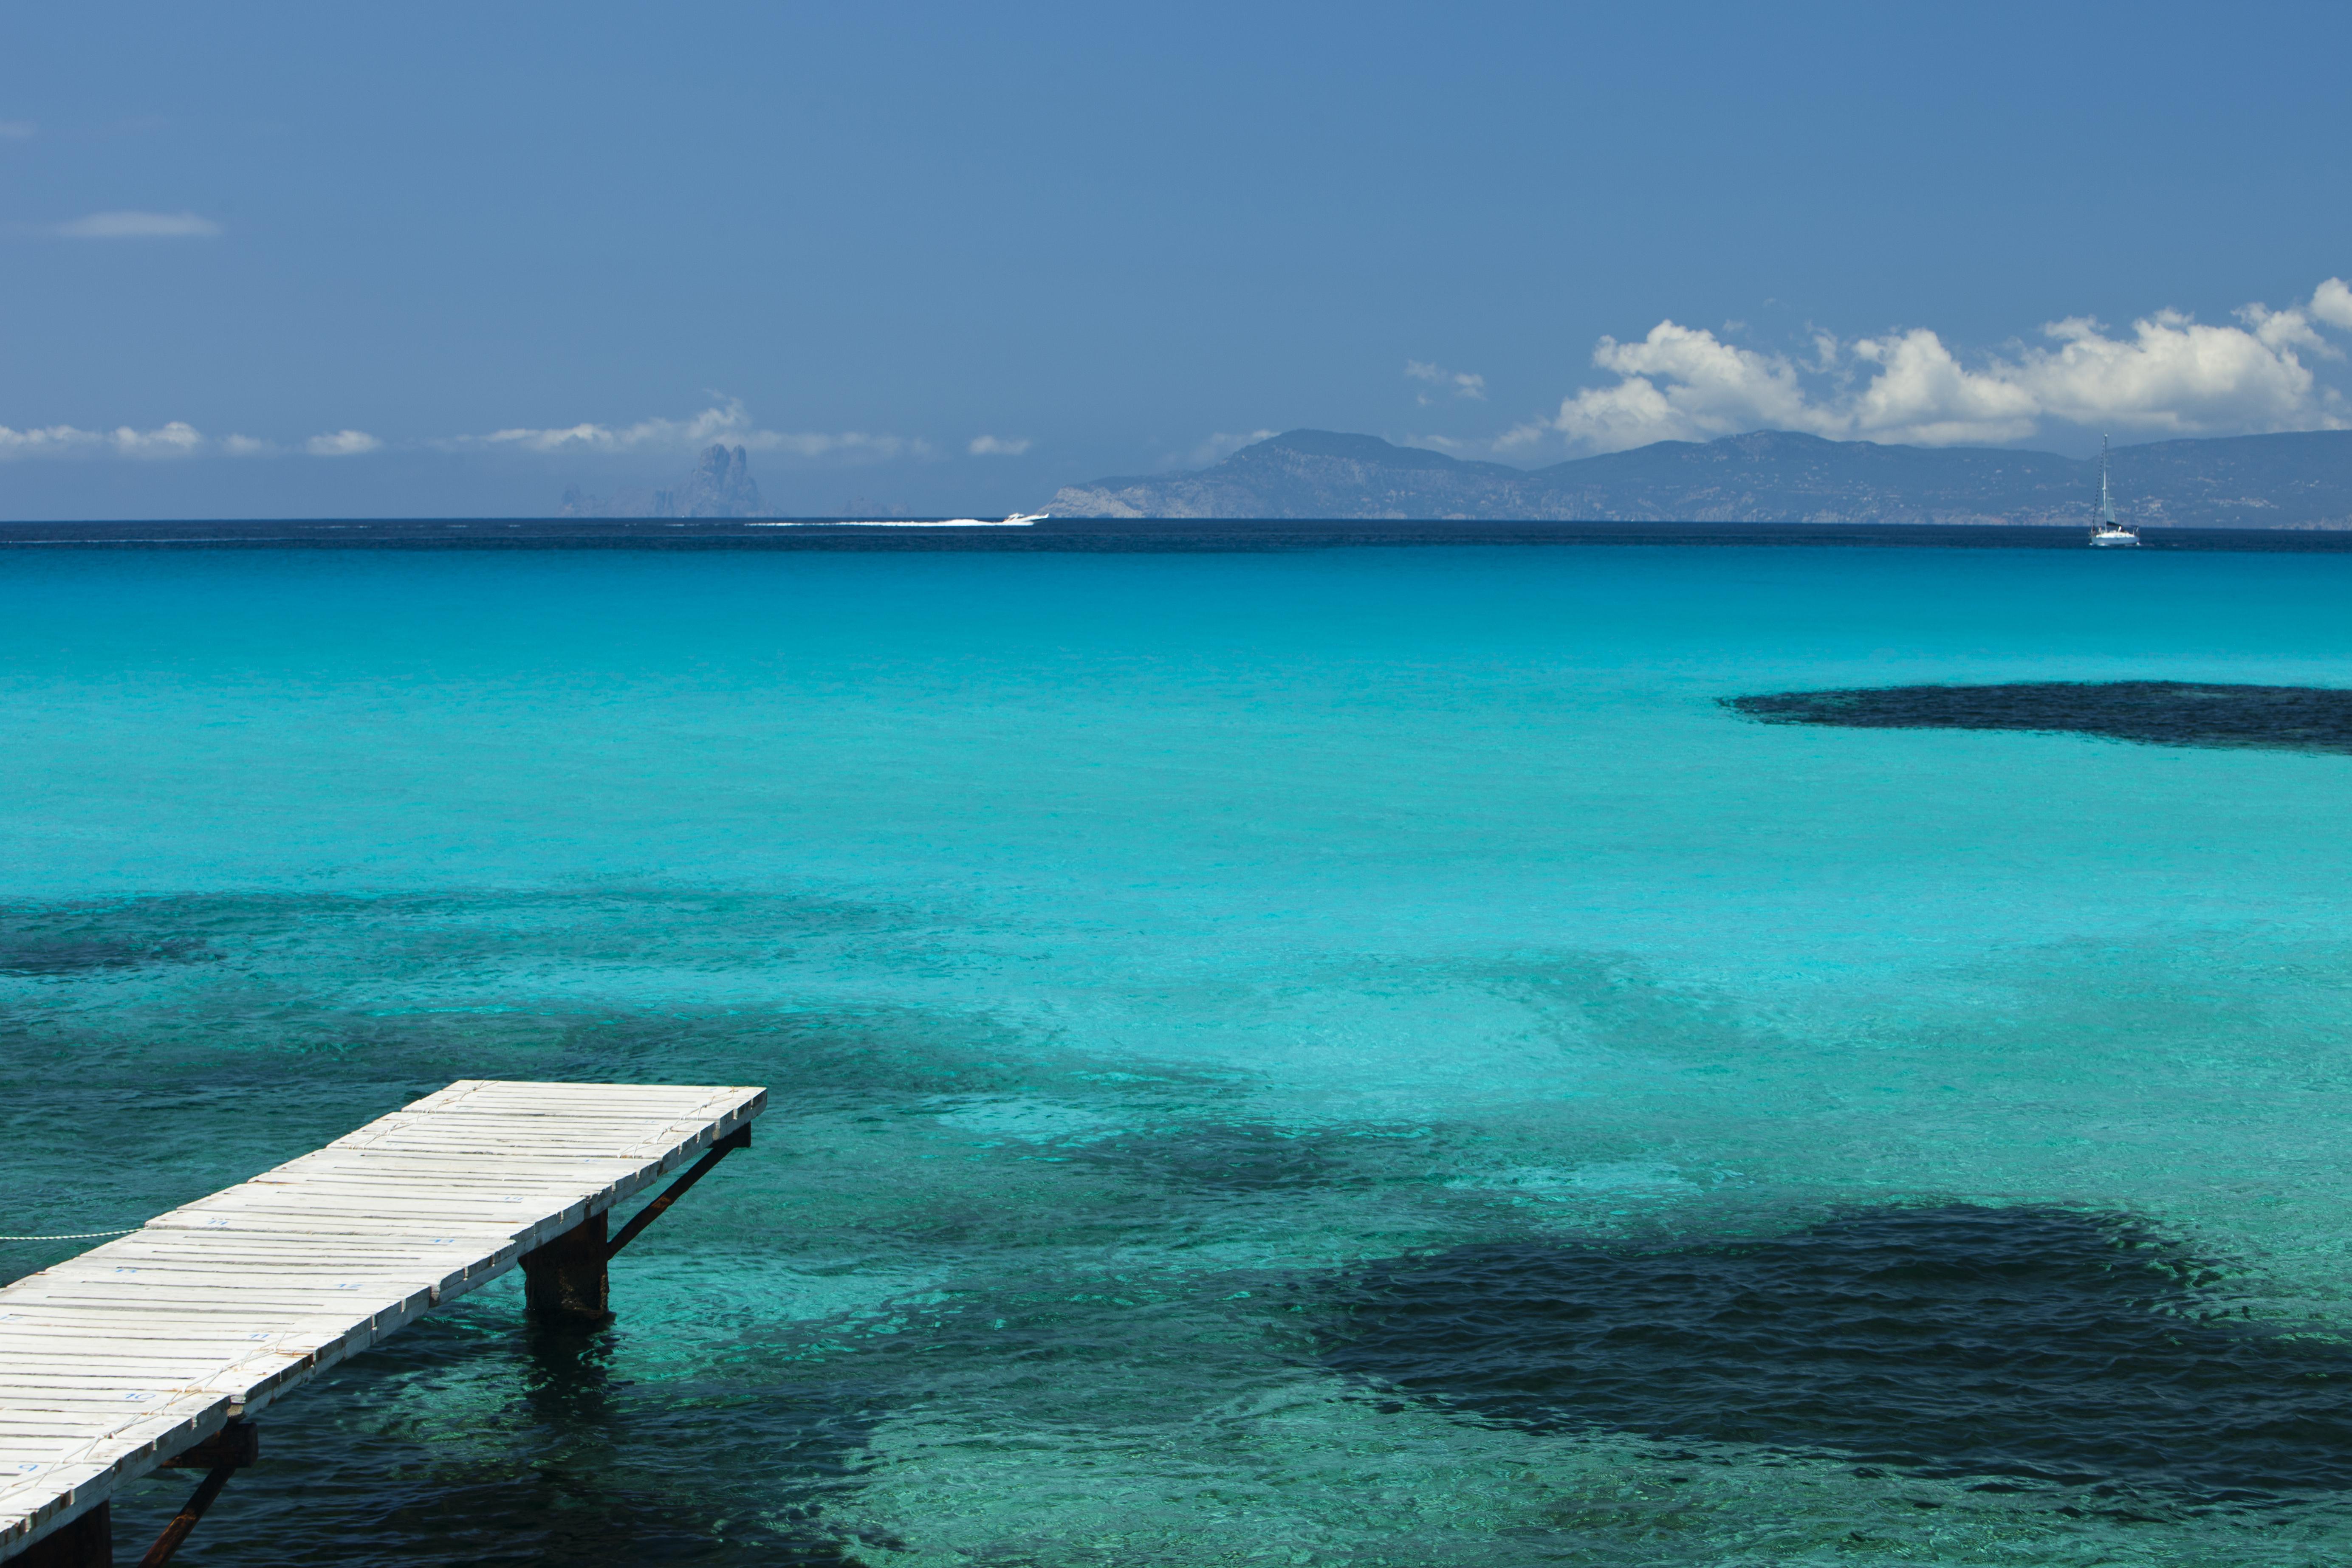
pixel 1711 389
pixel 728 423
pixel 47 441
pixel 2170 375
pixel 173 440
pixel 137 225
pixel 1923 397
pixel 992 446
pixel 2181 377
pixel 17 129
pixel 1461 383
pixel 2332 303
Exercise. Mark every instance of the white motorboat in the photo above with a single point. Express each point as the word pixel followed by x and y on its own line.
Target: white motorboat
pixel 2107 532
pixel 1017 520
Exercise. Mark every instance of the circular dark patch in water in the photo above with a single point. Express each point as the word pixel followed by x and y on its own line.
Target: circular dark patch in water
pixel 1958 1341
pixel 2157 713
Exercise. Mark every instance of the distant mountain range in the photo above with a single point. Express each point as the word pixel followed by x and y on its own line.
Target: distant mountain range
pixel 720 487
pixel 2294 481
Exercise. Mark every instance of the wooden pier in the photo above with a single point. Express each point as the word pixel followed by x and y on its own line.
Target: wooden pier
pixel 157 1349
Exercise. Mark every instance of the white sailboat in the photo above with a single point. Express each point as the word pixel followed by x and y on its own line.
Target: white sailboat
pixel 2108 532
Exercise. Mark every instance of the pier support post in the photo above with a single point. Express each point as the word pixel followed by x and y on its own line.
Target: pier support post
pixel 87 1542
pixel 565 1280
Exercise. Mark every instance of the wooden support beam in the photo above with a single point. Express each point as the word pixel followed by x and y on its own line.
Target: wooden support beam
pixel 564 1280
pixel 236 1446
pixel 87 1542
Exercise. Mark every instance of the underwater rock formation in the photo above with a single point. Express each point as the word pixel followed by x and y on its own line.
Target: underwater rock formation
pixel 2030 1343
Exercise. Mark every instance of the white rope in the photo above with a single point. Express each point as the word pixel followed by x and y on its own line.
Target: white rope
pixel 77 1236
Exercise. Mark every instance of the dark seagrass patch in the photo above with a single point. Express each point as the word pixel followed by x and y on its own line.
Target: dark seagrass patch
pixel 2044 1345
pixel 2156 712
pixel 35 955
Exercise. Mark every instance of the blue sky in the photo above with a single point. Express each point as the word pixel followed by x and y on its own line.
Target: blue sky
pixel 267 260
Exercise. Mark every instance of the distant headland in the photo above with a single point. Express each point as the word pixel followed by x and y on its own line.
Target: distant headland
pixel 720 487
pixel 2300 480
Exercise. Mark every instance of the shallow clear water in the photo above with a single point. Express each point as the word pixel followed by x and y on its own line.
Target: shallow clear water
pixel 1149 957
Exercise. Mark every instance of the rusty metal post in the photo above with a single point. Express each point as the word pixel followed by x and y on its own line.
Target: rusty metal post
pixel 565 1280
pixel 87 1542
pixel 220 1455
pixel 741 1138
pixel 186 1520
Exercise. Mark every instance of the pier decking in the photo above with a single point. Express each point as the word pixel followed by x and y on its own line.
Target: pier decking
pixel 119 1360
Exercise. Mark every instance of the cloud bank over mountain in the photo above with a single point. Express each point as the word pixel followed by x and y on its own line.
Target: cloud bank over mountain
pixel 173 440
pixel 725 422
pixel 2169 375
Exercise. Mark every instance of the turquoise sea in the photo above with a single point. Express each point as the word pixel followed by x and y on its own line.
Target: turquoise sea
pixel 1164 966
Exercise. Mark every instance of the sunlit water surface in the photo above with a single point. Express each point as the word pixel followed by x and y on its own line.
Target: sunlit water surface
pixel 1340 1057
